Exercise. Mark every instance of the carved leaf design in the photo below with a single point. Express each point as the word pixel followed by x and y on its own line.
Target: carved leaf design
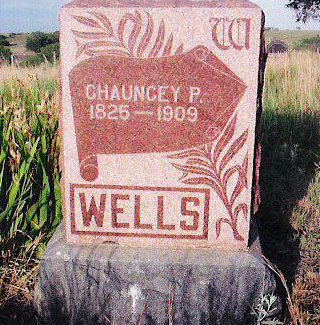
pixel 231 171
pixel 215 183
pixel 131 23
pixel 80 48
pixel 168 47
pixel 193 169
pixel 241 208
pixel 219 223
pixel 136 19
pixel 112 52
pixel 121 28
pixel 105 22
pixel 203 161
pixel 233 150
pixel 224 139
pixel 200 162
pixel 105 44
pixel 100 47
pixel 204 181
pixel 188 153
pixel 135 32
pixel 240 184
pixel 237 191
pixel 183 177
pixel 146 37
pixel 179 50
pixel 245 163
pixel 89 35
pixel 198 181
pixel 87 21
pixel 159 41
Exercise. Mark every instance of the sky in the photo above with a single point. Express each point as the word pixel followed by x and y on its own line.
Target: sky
pixel 33 15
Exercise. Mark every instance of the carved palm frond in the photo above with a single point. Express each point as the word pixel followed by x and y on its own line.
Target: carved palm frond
pixel 145 39
pixel 209 165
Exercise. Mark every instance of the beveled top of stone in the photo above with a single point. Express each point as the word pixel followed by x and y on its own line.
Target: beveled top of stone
pixel 162 3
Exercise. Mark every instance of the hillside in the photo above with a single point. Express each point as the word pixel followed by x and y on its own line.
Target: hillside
pixel 18 47
pixel 290 37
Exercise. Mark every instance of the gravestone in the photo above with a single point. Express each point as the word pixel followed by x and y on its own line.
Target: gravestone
pixel 277 46
pixel 158 121
pixel 161 102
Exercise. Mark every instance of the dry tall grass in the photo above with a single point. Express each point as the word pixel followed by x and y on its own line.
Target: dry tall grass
pixel 44 72
pixel 293 82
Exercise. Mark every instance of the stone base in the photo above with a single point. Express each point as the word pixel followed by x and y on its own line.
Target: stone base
pixel 108 284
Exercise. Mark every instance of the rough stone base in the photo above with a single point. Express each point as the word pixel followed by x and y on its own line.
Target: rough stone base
pixel 108 284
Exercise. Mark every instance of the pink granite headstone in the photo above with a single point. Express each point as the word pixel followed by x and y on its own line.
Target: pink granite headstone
pixel 159 120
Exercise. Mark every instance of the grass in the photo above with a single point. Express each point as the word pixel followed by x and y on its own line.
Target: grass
pixel 30 204
pixel 292 83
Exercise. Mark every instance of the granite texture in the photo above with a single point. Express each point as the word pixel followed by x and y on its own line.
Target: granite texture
pixel 107 284
pixel 159 122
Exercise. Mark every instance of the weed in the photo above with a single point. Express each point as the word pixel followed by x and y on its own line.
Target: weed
pixel 265 308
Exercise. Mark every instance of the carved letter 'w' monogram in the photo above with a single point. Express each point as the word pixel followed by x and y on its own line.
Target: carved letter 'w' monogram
pixel 231 33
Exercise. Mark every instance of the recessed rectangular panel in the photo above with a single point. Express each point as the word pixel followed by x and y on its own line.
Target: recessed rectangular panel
pixel 158 121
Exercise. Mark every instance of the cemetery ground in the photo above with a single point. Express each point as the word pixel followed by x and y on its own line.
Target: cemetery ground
pixel 30 198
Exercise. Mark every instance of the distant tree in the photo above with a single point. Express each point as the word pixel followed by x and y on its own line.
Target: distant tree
pixel 4 42
pixel 54 37
pixel 312 44
pixel 5 53
pixel 51 52
pixel 3 37
pixel 305 9
pixel 37 40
